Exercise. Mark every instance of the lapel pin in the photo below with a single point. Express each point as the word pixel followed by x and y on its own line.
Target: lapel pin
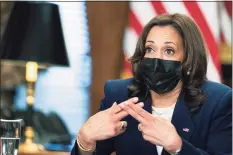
pixel 185 129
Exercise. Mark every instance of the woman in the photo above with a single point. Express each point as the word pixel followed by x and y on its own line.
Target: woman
pixel 168 107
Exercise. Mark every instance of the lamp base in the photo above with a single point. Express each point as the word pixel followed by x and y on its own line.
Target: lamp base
pixel 28 146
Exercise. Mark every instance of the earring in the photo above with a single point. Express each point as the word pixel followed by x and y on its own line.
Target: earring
pixel 188 73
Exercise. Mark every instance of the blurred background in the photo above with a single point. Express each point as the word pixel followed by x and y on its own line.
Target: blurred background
pixel 74 47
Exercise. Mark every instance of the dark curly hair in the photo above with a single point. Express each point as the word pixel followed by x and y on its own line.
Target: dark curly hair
pixel 195 59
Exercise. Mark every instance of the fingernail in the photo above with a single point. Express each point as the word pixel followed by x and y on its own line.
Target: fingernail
pixel 135 99
pixel 141 104
pixel 126 102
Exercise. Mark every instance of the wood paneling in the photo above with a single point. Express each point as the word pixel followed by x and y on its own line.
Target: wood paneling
pixel 107 21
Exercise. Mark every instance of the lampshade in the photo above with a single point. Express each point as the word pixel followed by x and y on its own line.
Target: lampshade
pixel 34 33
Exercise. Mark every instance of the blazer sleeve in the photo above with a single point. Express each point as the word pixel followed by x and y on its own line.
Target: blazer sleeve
pixel 104 147
pixel 220 132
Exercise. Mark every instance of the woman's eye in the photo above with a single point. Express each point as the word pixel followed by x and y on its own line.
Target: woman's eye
pixel 170 52
pixel 148 50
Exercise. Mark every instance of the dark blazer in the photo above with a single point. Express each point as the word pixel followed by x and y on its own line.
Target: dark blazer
pixel 209 131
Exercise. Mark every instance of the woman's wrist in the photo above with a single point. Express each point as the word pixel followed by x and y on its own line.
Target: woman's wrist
pixel 85 140
pixel 176 146
pixel 85 146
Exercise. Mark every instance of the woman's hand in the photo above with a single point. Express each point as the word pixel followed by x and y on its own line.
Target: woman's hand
pixel 104 124
pixel 156 130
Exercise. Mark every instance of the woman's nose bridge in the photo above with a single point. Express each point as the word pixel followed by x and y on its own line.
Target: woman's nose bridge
pixel 158 54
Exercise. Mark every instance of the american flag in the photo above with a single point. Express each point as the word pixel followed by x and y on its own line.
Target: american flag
pixel 205 14
pixel 225 20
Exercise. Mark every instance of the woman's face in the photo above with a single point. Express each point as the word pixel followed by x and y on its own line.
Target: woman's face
pixel 164 42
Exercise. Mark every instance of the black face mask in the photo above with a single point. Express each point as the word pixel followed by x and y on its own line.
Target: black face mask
pixel 160 75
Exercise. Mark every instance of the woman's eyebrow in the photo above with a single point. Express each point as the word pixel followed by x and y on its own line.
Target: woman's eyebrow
pixel 166 42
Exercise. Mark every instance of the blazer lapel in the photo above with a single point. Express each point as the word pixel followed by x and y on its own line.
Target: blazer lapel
pixel 148 104
pixel 182 120
pixel 148 108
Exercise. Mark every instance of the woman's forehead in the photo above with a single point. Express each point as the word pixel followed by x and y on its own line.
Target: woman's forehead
pixel 163 34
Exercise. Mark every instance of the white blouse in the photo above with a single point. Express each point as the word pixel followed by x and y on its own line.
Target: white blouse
pixel 165 113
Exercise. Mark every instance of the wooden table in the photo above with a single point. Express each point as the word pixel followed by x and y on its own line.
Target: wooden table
pixel 52 153
pixel 46 153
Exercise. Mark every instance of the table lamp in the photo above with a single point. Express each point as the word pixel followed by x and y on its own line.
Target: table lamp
pixel 33 39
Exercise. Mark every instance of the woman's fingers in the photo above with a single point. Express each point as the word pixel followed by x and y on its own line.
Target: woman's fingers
pixel 120 115
pixel 136 111
pixel 115 108
pixel 143 113
pixel 109 122
pixel 147 135
pixel 152 139
pixel 133 113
